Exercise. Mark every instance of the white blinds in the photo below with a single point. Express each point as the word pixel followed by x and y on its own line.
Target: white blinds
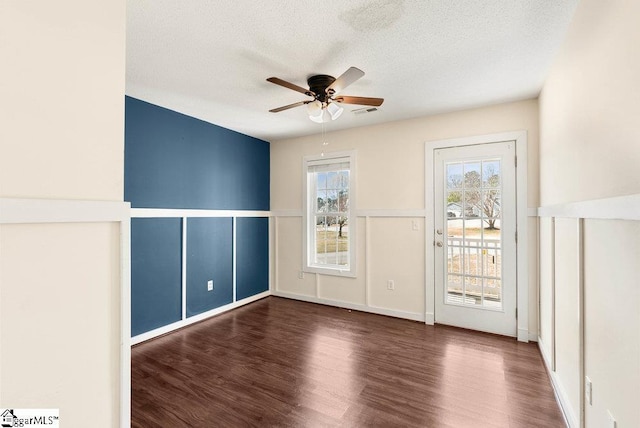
pixel 328 165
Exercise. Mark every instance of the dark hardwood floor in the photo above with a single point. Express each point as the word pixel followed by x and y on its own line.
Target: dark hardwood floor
pixel 285 363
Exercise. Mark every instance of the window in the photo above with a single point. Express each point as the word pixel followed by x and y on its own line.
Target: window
pixel 330 226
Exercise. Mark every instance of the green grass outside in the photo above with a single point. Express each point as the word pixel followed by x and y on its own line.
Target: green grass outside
pixel 328 237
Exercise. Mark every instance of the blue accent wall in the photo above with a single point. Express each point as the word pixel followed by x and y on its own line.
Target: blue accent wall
pixel 156 273
pixel 252 267
pixel 209 257
pixel 176 161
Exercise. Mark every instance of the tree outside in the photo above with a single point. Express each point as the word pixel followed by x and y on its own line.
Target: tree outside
pixel 480 196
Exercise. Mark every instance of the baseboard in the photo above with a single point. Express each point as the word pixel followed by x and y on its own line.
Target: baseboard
pixel 196 318
pixel 429 318
pixel 569 415
pixel 546 358
pixel 354 306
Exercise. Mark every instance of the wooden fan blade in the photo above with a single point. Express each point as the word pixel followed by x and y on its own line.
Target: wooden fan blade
pixel 347 78
pixel 301 103
pixel 365 101
pixel 289 85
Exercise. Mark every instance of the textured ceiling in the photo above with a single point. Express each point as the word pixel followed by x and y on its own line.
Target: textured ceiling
pixel 210 58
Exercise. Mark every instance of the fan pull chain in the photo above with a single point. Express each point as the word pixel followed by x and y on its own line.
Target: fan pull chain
pixel 324 142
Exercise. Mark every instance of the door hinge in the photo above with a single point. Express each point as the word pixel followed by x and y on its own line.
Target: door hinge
pixel 516 237
pixel 516 313
pixel 515 161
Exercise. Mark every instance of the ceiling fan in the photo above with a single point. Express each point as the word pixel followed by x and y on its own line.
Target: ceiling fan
pixel 325 89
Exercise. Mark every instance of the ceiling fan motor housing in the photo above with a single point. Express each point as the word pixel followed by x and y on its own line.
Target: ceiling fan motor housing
pixel 318 84
pixel 323 88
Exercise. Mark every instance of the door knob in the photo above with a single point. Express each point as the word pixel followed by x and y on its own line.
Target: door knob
pixel 439 244
pixel 439 231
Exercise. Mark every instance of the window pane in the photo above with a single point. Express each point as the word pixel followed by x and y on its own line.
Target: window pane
pixel 329 240
pixel 454 289
pixel 343 200
pixel 332 242
pixel 343 180
pixel 321 201
pixel 321 221
pixel 472 203
pixel 490 203
pixel 492 259
pixel 472 174
pixel 473 231
pixel 332 200
pixel 454 204
pixel 454 260
pixel 321 180
pixel 332 180
pixel 491 173
pixel 322 243
pixel 493 293
pixel 454 230
pixel 454 175
pixel 473 291
pixel 472 259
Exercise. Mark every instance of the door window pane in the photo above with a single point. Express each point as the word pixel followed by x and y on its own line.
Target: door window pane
pixel 473 235
pixel 472 203
pixel 473 291
pixel 454 289
pixel 491 173
pixel 472 174
pixel 493 293
pixel 454 175
pixel 454 260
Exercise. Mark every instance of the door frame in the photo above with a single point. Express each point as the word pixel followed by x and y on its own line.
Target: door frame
pixel 522 260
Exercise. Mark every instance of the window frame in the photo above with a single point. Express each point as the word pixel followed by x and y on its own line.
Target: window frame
pixel 308 221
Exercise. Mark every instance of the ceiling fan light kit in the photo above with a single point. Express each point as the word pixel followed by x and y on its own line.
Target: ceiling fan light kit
pixel 315 111
pixel 334 110
pixel 324 88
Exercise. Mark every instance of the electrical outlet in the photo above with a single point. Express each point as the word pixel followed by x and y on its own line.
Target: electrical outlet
pixel 612 421
pixel 391 285
pixel 210 285
pixel 415 225
pixel 300 274
pixel 588 390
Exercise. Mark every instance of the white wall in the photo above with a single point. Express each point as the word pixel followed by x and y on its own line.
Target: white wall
pixel 391 171
pixel 590 149
pixel 567 307
pixel 61 137
pixel 612 325
pixel 62 99
pixel 546 292
pixel 589 133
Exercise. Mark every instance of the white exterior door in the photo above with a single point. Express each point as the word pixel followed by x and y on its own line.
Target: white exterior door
pixel 475 237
